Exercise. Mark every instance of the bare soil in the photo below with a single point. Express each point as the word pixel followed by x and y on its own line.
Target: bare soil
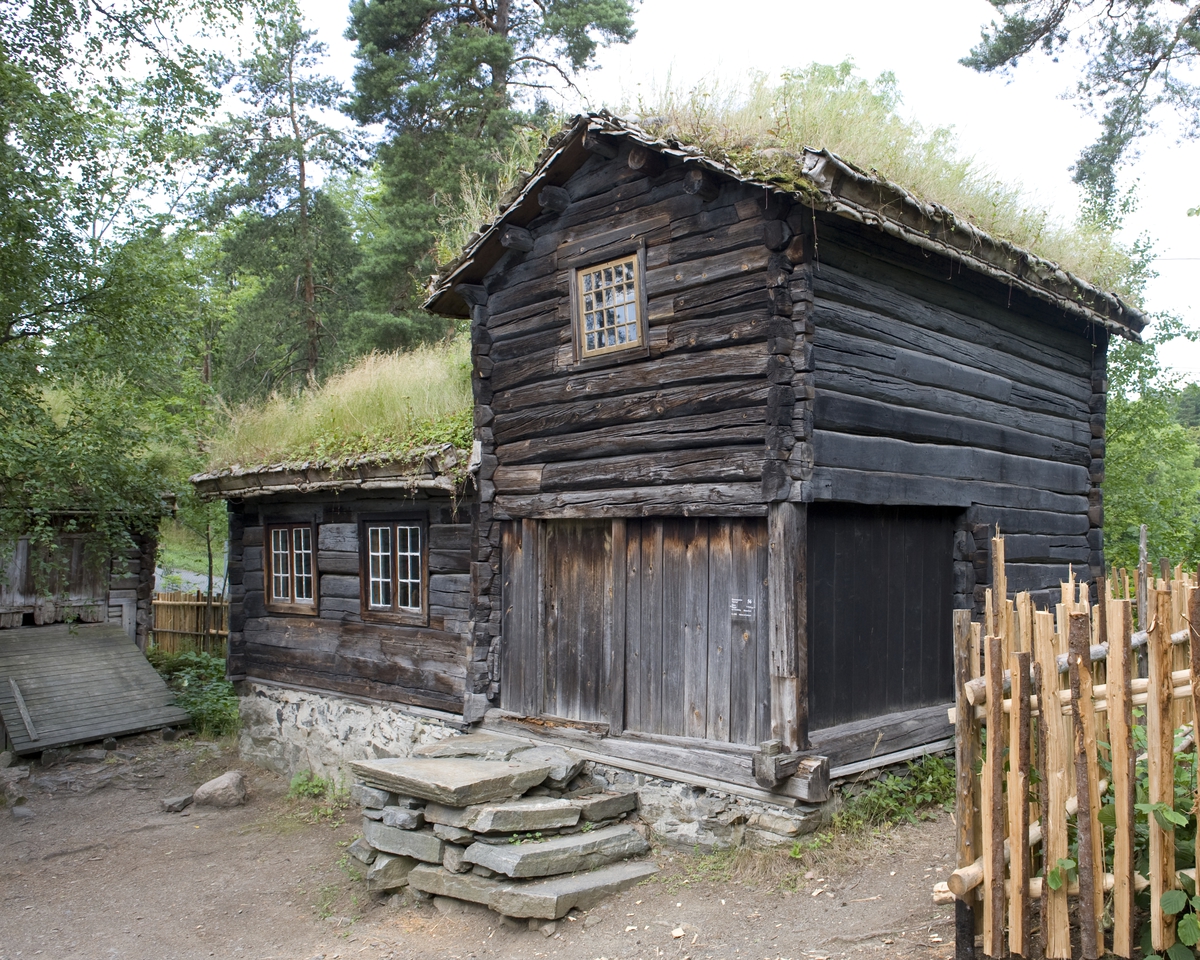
pixel 99 871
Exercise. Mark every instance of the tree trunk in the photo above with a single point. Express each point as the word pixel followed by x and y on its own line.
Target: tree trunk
pixel 312 324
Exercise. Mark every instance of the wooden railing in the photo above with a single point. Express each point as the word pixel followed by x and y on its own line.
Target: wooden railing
pixel 190 621
pixel 1047 704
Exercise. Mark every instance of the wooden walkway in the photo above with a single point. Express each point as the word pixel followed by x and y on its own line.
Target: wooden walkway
pixel 64 684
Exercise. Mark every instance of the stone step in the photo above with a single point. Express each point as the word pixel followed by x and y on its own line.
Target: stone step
pixel 419 844
pixel 546 899
pixel 554 897
pixel 482 746
pixel 514 816
pixel 452 781
pixel 564 854
pixel 605 806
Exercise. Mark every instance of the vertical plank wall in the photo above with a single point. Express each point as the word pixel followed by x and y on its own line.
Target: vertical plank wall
pixel 695 660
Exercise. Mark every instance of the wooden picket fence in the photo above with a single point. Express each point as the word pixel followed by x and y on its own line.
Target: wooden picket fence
pixel 190 621
pixel 1044 700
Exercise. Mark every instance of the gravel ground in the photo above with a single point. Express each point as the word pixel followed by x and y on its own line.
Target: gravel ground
pixel 99 871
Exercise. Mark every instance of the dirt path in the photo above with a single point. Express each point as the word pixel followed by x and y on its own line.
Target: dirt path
pixel 99 872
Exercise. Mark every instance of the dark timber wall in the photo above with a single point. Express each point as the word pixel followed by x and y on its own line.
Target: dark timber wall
pixel 935 388
pixel 336 650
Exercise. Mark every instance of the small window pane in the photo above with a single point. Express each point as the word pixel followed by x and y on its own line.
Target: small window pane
pixel 281 584
pixel 379 551
pixel 609 295
pixel 408 567
pixel 302 564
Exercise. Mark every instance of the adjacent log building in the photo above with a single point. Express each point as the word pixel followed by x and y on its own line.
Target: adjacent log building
pixel 741 445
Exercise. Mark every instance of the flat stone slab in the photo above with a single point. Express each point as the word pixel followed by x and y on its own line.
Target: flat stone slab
pixel 605 806
pixel 564 764
pixel 482 746
pixel 389 872
pixel 565 854
pixel 439 882
pixel 453 834
pixel 547 899
pixel 454 782
pixel 418 844
pixel 524 815
pixel 554 897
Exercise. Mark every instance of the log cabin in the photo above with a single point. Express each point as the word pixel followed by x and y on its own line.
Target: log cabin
pixel 740 447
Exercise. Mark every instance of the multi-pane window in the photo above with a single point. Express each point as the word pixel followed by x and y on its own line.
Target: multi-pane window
pixel 290 563
pixel 394 567
pixel 609 313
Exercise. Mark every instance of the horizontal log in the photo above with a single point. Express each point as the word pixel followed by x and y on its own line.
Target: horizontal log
pixel 516 238
pixel 700 184
pixel 688 500
pixel 853 452
pixel 329 561
pixel 726 464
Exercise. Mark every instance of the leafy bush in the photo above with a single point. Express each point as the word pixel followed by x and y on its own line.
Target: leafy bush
pixel 198 681
pixel 928 783
pixel 307 785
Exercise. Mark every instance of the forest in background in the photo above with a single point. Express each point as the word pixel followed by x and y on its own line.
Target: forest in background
pixel 187 234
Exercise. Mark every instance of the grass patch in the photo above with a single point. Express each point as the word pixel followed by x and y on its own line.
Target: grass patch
pixel 198 681
pixel 383 406
pixel 318 799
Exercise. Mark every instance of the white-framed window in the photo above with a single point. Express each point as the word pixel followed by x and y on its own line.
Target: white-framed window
pixel 290 575
pixel 394 567
pixel 609 306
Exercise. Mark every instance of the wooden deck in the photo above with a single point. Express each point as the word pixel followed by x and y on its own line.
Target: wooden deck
pixel 65 684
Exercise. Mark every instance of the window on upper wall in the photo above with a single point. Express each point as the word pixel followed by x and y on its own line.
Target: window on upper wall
pixel 610 307
pixel 394 569
pixel 291 582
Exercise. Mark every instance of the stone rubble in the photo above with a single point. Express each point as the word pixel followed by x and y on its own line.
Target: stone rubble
pixel 499 823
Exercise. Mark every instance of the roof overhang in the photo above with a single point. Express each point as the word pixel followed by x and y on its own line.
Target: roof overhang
pixel 433 471
pixel 833 186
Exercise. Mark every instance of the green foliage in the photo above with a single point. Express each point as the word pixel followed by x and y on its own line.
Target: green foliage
pixel 926 785
pixel 1152 461
pixel 1140 56
pixel 384 406
pixel 763 128
pixel 306 785
pixel 198 681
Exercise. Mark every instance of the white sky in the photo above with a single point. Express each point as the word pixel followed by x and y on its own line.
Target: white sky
pixel 1020 127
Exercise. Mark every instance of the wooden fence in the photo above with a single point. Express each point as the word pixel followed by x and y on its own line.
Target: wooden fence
pixel 1047 703
pixel 190 621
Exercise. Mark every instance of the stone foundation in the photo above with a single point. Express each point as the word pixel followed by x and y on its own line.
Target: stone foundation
pixel 289 731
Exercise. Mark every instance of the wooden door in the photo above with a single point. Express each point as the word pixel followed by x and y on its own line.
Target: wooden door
pixel 696 654
pixel 669 636
pixel 880 602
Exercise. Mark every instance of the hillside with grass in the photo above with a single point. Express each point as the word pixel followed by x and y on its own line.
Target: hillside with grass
pixel 383 407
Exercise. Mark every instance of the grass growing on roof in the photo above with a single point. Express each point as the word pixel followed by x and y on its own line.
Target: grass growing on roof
pixel 383 406
pixel 763 128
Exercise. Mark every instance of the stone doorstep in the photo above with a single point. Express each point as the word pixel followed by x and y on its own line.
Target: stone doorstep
pixel 482 746
pixel 563 854
pixel 606 806
pixel 515 816
pixel 419 844
pixel 546 899
pixel 451 781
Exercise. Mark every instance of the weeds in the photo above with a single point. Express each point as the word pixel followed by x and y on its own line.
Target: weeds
pixel 320 799
pixel 199 684
pixel 926 786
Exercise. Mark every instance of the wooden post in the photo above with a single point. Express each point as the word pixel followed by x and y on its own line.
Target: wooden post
pixel 1161 763
pixel 1193 608
pixel 1091 886
pixel 787 595
pixel 1043 801
pixel 1119 624
pixel 992 805
pixel 616 654
pixel 966 753
pixel 999 627
pixel 1018 806
pixel 1143 576
pixel 1054 825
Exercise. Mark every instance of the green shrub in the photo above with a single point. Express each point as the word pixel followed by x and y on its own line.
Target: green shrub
pixel 199 684
pixel 928 783
pixel 307 785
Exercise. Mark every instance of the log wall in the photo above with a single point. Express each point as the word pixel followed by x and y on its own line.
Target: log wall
pixel 337 650
pixel 932 391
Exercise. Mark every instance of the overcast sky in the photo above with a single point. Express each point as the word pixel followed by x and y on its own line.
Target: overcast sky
pixel 1020 127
